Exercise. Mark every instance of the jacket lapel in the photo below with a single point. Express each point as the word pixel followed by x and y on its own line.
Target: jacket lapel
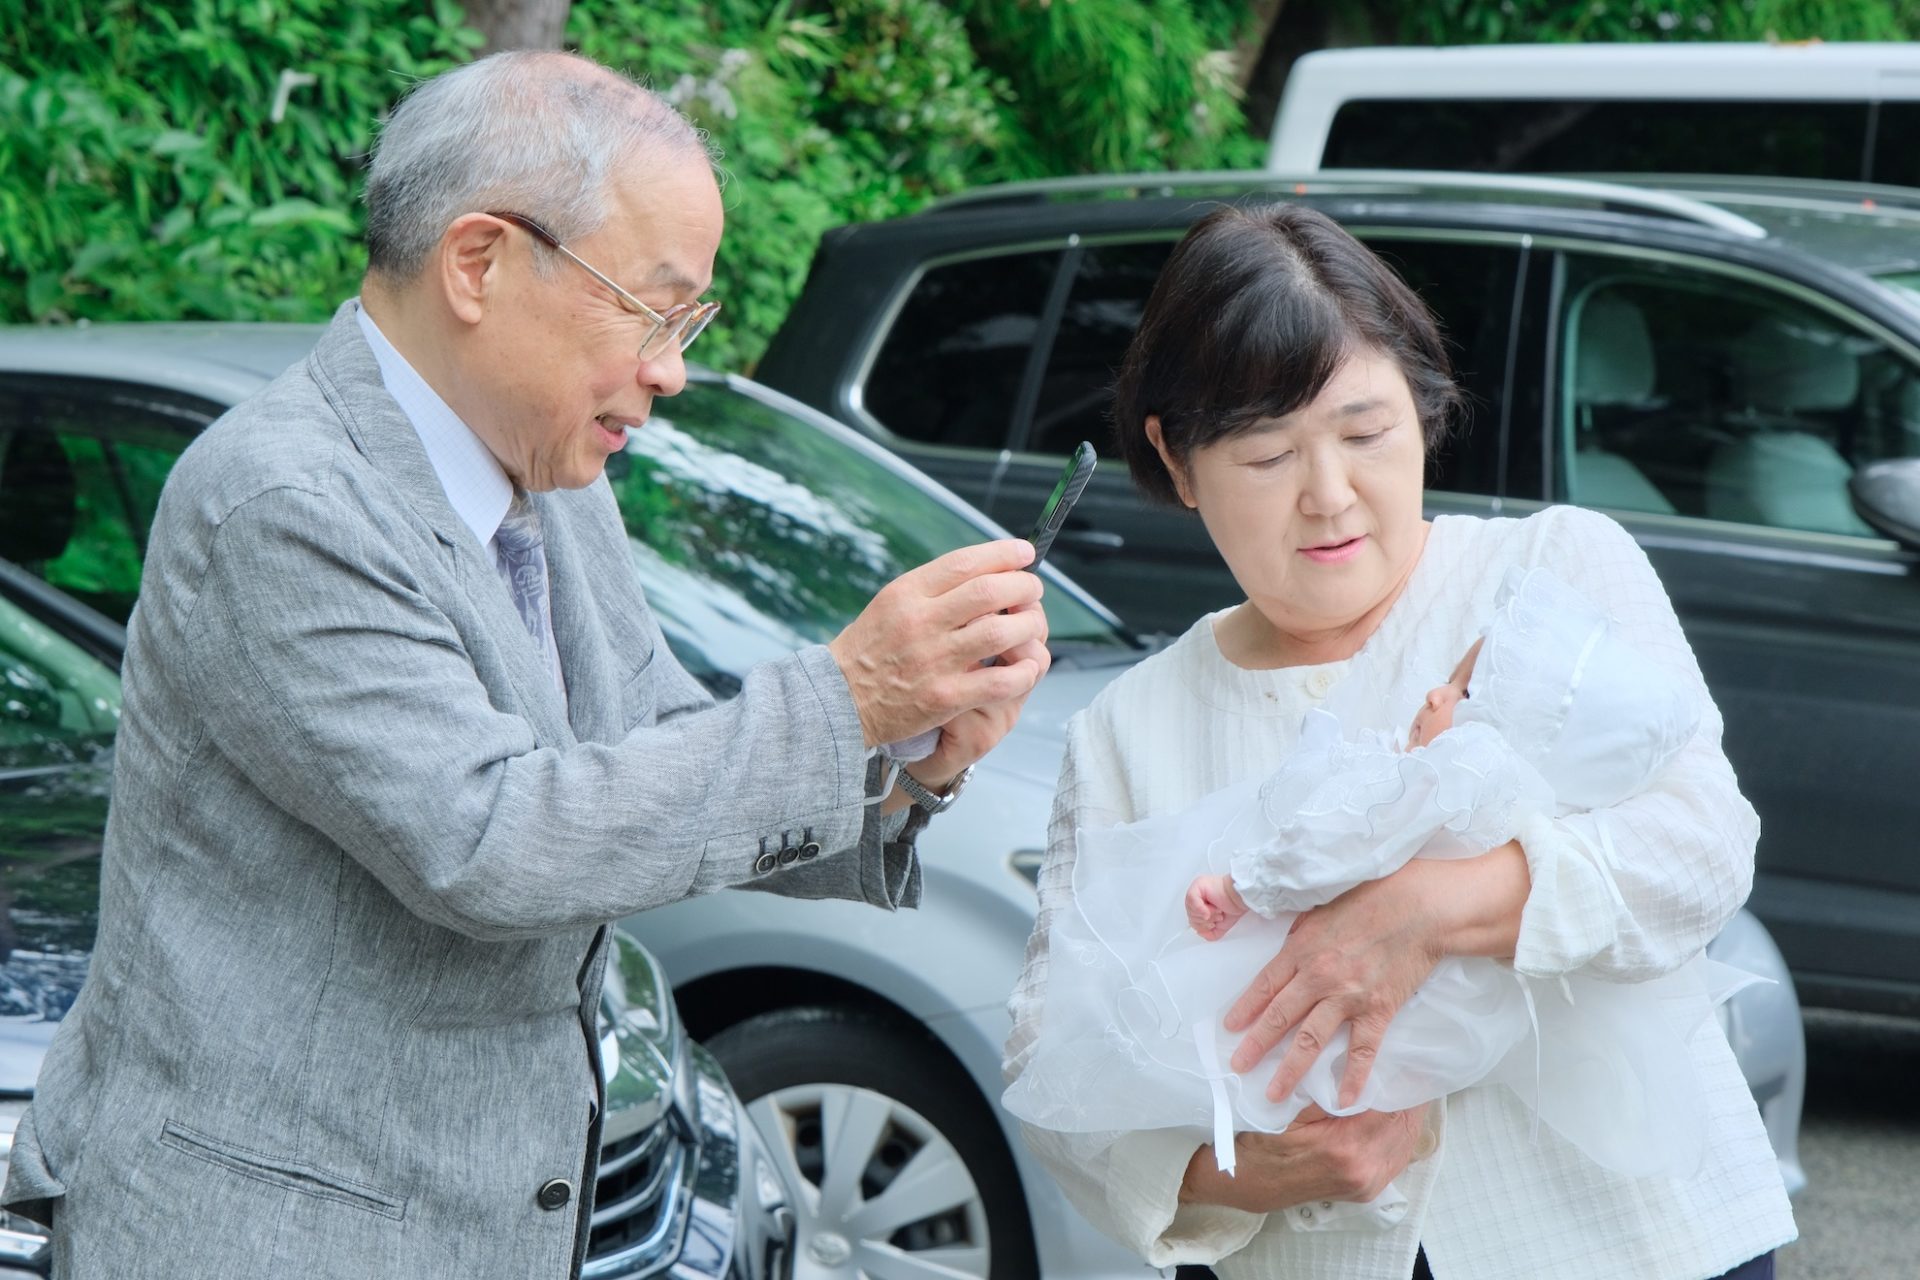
pixel 347 373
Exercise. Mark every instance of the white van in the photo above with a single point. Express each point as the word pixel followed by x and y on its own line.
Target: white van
pixel 1842 112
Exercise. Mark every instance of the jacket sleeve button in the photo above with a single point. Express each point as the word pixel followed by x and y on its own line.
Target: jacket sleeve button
pixel 765 862
pixel 555 1194
pixel 809 851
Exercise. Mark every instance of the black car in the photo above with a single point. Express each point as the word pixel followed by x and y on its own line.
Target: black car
pixel 1713 363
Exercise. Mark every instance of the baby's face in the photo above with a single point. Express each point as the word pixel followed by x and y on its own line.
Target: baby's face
pixel 1435 716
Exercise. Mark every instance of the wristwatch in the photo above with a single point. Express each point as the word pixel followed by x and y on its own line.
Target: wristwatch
pixel 930 801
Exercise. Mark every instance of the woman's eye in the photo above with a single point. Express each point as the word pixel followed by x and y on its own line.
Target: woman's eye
pixel 1275 460
pixel 1372 437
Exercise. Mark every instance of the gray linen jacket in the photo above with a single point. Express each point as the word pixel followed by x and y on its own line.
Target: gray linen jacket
pixel 339 1021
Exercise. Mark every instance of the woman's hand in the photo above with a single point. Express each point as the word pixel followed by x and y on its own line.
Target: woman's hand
pixel 1317 1158
pixel 1356 960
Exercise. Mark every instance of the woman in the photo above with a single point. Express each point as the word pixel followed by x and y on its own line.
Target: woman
pixel 1288 387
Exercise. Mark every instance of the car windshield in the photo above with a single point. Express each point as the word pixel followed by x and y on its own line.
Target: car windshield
pixel 756 532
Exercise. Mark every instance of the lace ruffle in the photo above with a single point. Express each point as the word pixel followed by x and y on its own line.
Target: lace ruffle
pixel 1594 716
pixel 1344 812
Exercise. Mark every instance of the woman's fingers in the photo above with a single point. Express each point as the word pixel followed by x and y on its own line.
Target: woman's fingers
pixel 1270 1026
pixel 1309 1042
pixel 1363 1047
pixel 1259 995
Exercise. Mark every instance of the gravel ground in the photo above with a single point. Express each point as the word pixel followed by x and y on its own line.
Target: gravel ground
pixel 1860 1143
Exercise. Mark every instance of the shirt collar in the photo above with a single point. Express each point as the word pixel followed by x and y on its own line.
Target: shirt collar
pixel 476 484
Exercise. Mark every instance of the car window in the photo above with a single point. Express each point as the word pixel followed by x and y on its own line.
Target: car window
pixel 1469 286
pixel 58 703
pixel 1894 159
pixel 1110 288
pixel 81 466
pixel 755 532
pixel 950 367
pixel 1790 139
pixel 1692 393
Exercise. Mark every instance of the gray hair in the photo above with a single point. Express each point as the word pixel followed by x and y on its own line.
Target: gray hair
pixel 530 132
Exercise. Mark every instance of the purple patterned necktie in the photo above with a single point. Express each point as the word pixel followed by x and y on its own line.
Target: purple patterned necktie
pixel 522 561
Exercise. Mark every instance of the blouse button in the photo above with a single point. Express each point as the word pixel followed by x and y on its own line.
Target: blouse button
pixel 1306 1215
pixel 1319 682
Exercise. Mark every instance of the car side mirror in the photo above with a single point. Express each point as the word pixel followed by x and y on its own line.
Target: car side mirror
pixel 1887 496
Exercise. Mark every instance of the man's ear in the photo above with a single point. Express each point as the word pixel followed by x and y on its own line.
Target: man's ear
pixel 1181 484
pixel 469 262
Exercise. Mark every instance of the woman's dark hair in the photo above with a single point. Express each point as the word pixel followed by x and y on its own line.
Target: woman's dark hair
pixel 1254 312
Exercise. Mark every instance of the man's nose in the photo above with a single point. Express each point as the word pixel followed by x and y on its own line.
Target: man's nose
pixel 664 374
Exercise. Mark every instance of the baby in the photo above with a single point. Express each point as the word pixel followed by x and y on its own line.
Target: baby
pixel 1213 903
pixel 1550 711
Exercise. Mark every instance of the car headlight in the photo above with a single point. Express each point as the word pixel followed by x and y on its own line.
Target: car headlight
pixel 641 1029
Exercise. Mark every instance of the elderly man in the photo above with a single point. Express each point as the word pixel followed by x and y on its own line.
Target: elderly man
pixel 401 735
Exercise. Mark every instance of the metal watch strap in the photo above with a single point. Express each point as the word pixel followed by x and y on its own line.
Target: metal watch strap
pixel 930 801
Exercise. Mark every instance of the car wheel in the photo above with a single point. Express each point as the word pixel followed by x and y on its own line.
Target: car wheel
pixel 896 1166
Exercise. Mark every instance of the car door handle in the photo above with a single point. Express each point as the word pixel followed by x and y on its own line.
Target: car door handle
pixel 1089 542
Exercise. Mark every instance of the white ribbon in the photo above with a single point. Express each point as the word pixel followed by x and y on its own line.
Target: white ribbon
pixel 1223 1155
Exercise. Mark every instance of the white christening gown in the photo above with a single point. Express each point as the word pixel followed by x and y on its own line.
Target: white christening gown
pixel 1561 716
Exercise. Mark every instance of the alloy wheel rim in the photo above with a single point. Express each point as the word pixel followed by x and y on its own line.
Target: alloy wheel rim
pixel 879 1191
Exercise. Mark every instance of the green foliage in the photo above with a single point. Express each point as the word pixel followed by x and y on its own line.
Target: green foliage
pixel 1104 86
pixel 143 174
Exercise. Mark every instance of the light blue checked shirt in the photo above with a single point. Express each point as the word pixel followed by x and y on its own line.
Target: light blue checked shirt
pixel 476 484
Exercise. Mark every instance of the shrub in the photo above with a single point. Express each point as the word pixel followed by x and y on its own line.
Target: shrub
pixel 196 159
pixel 201 159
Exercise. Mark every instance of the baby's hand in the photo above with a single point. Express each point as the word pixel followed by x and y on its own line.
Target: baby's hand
pixel 1213 906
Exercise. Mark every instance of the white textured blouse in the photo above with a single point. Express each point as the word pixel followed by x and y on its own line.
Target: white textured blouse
pixel 1498 1197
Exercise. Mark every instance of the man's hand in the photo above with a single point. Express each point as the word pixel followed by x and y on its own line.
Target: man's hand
pixel 913 657
pixel 1319 1157
pixel 969 736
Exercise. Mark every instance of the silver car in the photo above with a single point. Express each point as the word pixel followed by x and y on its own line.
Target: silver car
pixel 866 1044
pixel 89 423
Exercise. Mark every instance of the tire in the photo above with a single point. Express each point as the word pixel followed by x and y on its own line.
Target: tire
pixel 833 1090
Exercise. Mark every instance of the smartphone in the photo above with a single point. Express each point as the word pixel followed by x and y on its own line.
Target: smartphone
pixel 1072 483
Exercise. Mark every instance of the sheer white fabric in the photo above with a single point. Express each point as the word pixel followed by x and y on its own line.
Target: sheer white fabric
pixel 1133 1033
pixel 1497 1199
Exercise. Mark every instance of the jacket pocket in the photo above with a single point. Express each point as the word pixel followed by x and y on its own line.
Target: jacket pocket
pixel 293 1175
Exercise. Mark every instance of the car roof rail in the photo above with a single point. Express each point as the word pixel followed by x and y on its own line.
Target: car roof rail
pixel 1575 192
pixel 1835 193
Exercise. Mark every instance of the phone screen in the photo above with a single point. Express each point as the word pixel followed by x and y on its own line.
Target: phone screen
pixel 1066 492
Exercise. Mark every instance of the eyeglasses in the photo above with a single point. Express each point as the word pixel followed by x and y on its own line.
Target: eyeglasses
pixel 680 324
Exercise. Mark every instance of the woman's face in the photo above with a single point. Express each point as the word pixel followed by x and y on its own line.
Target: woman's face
pixel 1318 512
